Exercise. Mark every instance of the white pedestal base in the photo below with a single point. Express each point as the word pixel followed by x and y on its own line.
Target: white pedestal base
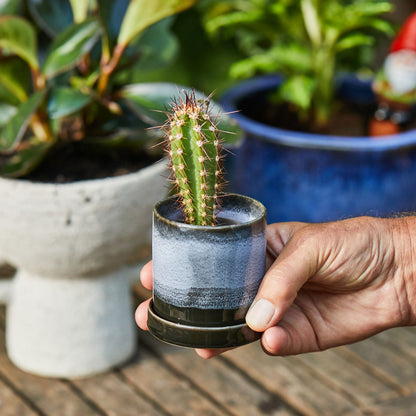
pixel 71 327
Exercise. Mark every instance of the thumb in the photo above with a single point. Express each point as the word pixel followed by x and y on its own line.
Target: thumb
pixel 297 262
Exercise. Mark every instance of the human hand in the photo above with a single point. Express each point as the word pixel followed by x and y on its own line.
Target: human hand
pixel 330 284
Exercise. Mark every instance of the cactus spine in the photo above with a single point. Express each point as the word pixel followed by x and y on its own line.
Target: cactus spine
pixel 194 152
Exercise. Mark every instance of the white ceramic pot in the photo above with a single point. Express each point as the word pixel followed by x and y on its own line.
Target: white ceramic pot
pixel 69 313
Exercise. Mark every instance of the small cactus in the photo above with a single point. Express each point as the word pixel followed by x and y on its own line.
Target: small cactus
pixel 194 149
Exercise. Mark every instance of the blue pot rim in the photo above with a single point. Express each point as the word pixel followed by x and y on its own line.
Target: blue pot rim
pixel 306 140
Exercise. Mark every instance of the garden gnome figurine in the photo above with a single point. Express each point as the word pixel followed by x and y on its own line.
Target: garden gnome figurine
pixel 395 85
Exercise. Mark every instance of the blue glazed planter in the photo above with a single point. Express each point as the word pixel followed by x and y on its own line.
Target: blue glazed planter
pixel 311 177
pixel 205 278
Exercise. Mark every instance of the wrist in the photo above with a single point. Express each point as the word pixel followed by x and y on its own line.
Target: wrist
pixel 403 231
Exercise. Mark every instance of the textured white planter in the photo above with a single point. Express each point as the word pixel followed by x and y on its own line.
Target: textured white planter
pixel 69 313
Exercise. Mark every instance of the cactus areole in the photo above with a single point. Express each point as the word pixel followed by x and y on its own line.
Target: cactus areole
pixel 194 149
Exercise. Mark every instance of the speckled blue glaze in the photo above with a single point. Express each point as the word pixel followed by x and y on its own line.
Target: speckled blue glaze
pixel 217 269
pixel 311 177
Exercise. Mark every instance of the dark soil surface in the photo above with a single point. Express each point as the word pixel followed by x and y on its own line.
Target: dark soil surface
pixel 72 163
pixel 348 119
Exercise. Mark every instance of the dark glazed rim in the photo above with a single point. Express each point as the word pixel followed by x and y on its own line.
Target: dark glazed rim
pixel 219 228
pixel 271 134
pixel 199 336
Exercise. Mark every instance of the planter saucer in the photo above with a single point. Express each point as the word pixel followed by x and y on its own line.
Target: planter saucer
pixel 197 336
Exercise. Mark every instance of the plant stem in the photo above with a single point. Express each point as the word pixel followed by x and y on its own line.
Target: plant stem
pixel 38 79
pixel 38 121
pixel 40 127
pixel 324 74
pixel 107 68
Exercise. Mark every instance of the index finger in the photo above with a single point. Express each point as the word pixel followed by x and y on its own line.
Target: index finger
pixel 146 275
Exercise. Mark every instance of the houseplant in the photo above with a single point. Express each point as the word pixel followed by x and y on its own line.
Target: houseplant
pixel 208 248
pixel 66 100
pixel 312 174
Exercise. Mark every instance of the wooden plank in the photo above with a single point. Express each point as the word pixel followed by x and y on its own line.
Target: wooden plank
pixel 13 405
pixel 293 381
pixel 229 387
pixel 392 365
pixel 400 339
pixel 343 375
pixel 50 396
pixel 174 393
pixel 404 406
pixel 115 397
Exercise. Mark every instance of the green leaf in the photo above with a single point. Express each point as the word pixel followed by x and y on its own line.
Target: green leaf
pixel 380 25
pixel 23 162
pixel 64 101
pixel 143 13
pixel 15 76
pixel 157 47
pixel 370 8
pixel 231 19
pixel 7 111
pixel 354 40
pixel 19 37
pixel 13 131
pixel 10 7
pixel 7 97
pixel 284 58
pixel 79 9
pixel 69 47
pixel 150 101
pixel 52 16
pixel 298 90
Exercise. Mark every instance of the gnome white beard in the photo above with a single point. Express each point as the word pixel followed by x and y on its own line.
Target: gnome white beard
pixel 400 71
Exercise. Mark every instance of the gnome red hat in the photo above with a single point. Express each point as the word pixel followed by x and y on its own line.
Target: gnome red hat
pixel 406 38
pixel 400 64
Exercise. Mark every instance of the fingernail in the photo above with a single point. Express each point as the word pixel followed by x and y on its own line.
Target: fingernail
pixel 260 314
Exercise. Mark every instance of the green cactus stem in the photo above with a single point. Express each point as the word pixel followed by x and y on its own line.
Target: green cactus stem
pixel 194 150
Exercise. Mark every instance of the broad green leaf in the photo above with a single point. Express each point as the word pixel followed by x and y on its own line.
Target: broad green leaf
pixel 150 101
pixel 6 96
pixel 13 131
pixel 15 76
pixel 111 14
pixel 7 111
pixel 19 37
pixel 298 90
pixel 370 8
pixel 143 13
pixel 380 25
pixel 157 47
pixel 248 67
pixel 65 101
pixel 52 16
pixel 69 47
pixel 354 40
pixel 79 9
pixel 232 19
pixel 24 161
pixel 8 7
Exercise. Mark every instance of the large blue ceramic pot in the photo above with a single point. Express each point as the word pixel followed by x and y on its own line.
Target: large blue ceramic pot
pixel 315 178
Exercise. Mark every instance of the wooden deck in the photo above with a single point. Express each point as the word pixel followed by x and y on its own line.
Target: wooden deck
pixel 374 377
